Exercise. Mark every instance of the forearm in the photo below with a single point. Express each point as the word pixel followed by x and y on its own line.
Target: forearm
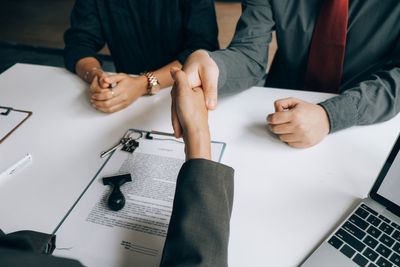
pixel 198 233
pixel 87 68
pixel 375 99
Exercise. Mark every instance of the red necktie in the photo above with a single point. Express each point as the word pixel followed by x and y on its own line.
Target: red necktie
pixel 325 61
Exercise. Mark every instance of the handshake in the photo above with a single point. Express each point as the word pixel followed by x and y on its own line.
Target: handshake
pixel 189 116
pixel 298 123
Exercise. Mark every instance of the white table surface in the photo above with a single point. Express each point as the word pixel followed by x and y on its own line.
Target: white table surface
pixel 286 200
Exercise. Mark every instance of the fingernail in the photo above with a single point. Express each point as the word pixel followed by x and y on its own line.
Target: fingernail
pixel 211 103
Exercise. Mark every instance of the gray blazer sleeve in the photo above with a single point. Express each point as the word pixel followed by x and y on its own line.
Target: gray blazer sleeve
pixel 373 97
pixel 199 228
pixel 243 64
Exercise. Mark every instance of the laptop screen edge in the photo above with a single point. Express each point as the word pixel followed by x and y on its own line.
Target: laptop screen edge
pixel 394 208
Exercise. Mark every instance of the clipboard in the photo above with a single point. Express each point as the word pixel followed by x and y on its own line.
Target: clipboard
pixel 134 235
pixel 10 120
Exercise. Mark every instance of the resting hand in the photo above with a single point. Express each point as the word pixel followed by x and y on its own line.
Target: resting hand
pixel 126 91
pixel 298 123
pixel 190 115
pixel 97 79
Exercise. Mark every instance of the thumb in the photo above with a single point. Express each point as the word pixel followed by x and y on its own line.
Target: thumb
pixel 181 81
pixel 209 81
pixel 103 84
pixel 286 103
pixel 174 115
pixel 173 72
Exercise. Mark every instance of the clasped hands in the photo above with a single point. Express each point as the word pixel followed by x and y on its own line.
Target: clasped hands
pixel 126 90
pixel 298 123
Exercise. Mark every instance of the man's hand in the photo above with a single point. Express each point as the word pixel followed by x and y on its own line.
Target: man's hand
pixel 190 115
pixel 298 123
pixel 127 90
pixel 201 72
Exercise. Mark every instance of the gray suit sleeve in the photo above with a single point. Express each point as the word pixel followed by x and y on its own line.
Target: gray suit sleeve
pixel 243 64
pixel 374 99
pixel 198 233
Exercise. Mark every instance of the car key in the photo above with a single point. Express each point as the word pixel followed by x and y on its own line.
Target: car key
pixel 121 143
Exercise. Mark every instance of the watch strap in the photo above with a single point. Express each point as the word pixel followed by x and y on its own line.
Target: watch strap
pixel 152 83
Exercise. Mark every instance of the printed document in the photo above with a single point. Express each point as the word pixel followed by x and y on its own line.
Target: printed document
pixel 134 235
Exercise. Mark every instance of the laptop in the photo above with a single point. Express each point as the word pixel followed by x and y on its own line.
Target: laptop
pixel 370 235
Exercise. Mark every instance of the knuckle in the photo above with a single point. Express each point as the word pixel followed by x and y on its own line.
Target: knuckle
pixel 272 119
pixel 106 104
pixel 271 127
pixel 124 96
pixel 301 128
pixel 297 145
pixel 296 116
pixel 275 128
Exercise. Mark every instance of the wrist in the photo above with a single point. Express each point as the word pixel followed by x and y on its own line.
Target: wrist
pixel 144 82
pixel 198 145
pixel 153 86
pixel 91 73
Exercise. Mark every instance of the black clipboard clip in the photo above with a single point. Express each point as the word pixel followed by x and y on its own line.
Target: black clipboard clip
pixel 8 110
pixel 150 137
pixel 130 141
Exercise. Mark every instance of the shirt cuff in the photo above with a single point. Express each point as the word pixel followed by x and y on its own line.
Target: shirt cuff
pixel 73 55
pixel 218 59
pixel 206 167
pixel 342 112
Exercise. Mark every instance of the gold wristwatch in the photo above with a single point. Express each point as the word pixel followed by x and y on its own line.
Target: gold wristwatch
pixel 152 83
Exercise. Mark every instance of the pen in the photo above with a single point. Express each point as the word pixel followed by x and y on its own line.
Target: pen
pixel 20 164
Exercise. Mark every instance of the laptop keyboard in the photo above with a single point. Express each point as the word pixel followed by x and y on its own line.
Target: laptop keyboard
pixel 369 239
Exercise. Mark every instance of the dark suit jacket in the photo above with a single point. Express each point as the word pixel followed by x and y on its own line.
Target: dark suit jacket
pixel 141 35
pixel 198 233
pixel 370 86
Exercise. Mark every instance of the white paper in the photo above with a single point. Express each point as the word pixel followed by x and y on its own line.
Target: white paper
pixel 135 235
pixel 10 121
